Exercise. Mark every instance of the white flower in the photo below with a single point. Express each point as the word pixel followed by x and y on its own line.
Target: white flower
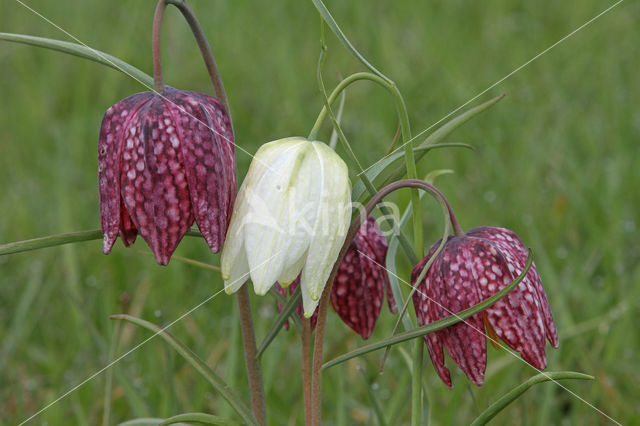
pixel 291 215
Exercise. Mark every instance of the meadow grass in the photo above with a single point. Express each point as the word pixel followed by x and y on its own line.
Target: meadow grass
pixel 556 161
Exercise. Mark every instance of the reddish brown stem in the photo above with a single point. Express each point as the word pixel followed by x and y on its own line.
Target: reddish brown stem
pixel 205 50
pixel 156 34
pixel 254 373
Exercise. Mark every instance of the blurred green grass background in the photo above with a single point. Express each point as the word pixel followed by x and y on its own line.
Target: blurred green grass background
pixel 556 161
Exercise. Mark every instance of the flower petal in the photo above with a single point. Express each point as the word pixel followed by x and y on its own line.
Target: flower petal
pixel 516 253
pixel 272 238
pixel 128 231
pixel 112 137
pixel 202 128
pixel 516 319
pixel 330 220
pixel 355 294
pixel 427 311
pixel 154 185
pixel 378 243
pixel 465 341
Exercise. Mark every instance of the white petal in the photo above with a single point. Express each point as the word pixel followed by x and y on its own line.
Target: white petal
pixel 239 274
pixel 308 304
pixel 270 238
pixel 331 224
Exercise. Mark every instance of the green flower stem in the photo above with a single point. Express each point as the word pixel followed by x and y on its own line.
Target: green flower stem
pixel 513 394
pixel 326 109
pixel 339 89
pixel 254 372
pixel 205 50
pixel 60 239
pixel 316 384
pixel 156 38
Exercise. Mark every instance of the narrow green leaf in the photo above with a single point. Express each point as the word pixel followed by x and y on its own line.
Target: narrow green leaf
pixel 50 241
pixel 199 418
pixel 457 121
pixel 432 175
pixel 287 312
pixel 60 239
pixel 430 141
pixel 390 262
pixel 145 421
pixel 188 261
pixel 516 392
pixel 333 140
pixel 82 52
pixel 326 16
pixel 434 326
pixel 200 366
pixel 378 168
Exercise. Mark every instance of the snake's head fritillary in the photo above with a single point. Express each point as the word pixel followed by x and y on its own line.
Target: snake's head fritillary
pixel 469 269
pixel 358 290
pixel 291 218
pixel 163 162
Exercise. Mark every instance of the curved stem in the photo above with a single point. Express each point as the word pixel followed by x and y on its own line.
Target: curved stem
pixel 205 50
pixel 156 41
pixel 316 403
pixel 340 88
pixel 306 369
pixel 326 109
pixel 252 362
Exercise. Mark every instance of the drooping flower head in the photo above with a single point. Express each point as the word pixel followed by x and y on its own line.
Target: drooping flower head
pixel 163 162
pixel 291 216
pixel 469 269
pixel 360 283
pixel 358 289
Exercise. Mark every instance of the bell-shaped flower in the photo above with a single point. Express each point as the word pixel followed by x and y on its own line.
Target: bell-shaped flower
pixel 291 216
pixel 359 287
pixel 360 283
pixel 163 162
pixel 469 269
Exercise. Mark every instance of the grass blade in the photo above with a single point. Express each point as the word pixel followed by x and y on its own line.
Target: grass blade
pixel 326 17
pixel 278 324
pixel 430 141
pixel 60 239
pixel 516 392
pixel 434 326
pixel 197 363
pixel 81 52
pixel 378 168
pixel 143 421
pixel 374 400
pixel 198 418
